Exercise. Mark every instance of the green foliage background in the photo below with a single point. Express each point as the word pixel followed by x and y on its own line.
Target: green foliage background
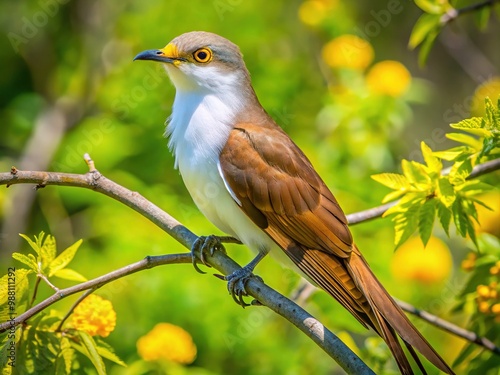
pixel 75 64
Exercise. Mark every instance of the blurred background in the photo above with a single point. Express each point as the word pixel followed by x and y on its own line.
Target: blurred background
pixel 337 76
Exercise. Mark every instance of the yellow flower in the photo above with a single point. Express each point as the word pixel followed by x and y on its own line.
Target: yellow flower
pixel 167 341
pixel 388 78
pixel 426 266
pixel 313 12
pixel 490 89
pixel 94 315
pixel 348 51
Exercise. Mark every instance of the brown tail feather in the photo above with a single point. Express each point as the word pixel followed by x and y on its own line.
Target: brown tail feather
pixel 385 308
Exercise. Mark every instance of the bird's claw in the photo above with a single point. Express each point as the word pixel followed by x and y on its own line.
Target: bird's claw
pixel 236 284
pixel 202 246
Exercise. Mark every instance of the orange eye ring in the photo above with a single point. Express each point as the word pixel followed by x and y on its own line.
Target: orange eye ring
pixel 203 55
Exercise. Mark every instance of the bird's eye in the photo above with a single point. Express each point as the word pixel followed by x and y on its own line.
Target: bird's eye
pixel 203 55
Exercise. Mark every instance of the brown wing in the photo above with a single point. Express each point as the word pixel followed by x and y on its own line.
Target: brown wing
pixel 279 189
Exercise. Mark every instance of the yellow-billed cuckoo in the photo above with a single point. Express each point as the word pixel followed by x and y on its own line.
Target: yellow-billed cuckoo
pixel 249 179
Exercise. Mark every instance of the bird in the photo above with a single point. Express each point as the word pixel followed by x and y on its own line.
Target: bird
pixel 248 177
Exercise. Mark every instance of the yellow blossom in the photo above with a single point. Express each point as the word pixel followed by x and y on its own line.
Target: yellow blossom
pixel 167 341
pixel 428 265
pixel 313 12
pixel 94 315
pixel 348 51
pixel 388 78
pixel 483 307
pixel 495 309
pixel 483 291
pixel 469 262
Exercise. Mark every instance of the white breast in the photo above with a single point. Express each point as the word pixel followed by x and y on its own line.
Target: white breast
pixel 199 127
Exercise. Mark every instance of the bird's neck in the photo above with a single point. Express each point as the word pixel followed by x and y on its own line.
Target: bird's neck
pixel 201 121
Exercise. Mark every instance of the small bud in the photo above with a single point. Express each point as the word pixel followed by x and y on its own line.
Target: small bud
pixel 495 309
pixel 484 307
pixel 483 291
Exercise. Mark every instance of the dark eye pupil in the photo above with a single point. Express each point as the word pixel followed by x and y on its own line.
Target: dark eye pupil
pixel 202 55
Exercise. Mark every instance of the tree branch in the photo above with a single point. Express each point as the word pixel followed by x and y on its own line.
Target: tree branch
pixel 93 180
pixel 453 13
pixel 373 213
pixel 449 327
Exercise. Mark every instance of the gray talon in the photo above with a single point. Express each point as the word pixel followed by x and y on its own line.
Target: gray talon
pixel 236 284
pixel 202 246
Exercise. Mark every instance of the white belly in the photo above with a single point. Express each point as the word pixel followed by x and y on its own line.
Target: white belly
pixel 204 183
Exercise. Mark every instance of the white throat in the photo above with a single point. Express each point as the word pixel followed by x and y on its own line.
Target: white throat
pixel 202 117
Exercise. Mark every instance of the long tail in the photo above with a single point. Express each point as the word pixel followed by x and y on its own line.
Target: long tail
pixel 391 319
pixel 351 282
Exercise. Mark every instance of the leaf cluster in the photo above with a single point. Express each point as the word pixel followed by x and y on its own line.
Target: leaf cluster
pixel 426 192
pixel 437 13
pixel 41 345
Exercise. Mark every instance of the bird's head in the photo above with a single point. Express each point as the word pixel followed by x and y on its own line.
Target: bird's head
pixel 201 61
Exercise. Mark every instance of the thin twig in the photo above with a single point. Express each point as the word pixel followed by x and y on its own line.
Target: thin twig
pixel 47 281
pixel 450 327
pixel 73 307
pixel 146 263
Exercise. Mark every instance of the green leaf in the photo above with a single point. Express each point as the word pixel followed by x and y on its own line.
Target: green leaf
pixel 460 218
pixel 445 192
pixel 473 125
pixel 433 163
pixel 474 187
pixel 64 258
pixel 469 123
pixel 489 145
pixel 444 215
pixel 393 195
pixel 91 352
pixel 459 171
pixel 426 47
pixel 34 245
pixel 481 203
pixel 416 174
pixel 28 260
pixel 425 25
pixel 406 219
pixel 475 143
pixel 394 181
pixel 433 7
pixel 472 231
pixel 409 200
pixel 69 274
pixel 106 351
pixel 65 358
pixel 48 252
pixel 426 216
pixel 492 115
pixel 453 153
pixel 405 225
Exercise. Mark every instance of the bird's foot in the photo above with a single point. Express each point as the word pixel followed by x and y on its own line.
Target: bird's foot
pixel 203 246
pixel 236 284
